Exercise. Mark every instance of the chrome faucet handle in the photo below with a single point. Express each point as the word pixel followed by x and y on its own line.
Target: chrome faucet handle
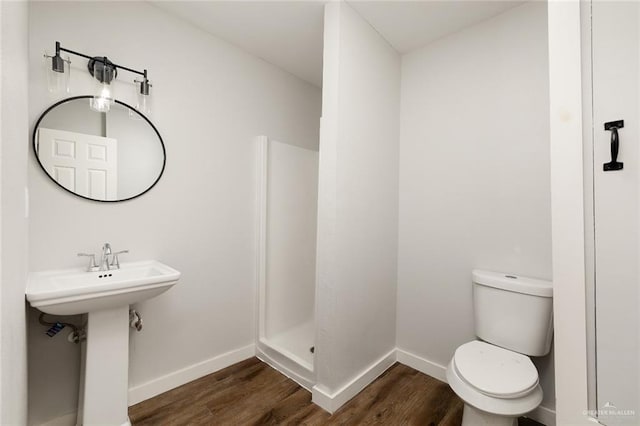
pixel 115 262
pixel 93 266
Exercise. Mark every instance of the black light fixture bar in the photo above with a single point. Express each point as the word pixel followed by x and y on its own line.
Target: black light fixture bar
pixel 101 59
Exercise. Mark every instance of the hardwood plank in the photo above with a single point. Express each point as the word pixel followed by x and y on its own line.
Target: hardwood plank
pixel 295 409
pixel 198 392
pixel 238 406
pixel 400 396
pixel 195 415
pixel 252 393
pixel 378 403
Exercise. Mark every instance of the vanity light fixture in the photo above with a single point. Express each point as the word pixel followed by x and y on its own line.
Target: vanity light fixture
pixel 58 73
pixel 143 104
pixel 104 71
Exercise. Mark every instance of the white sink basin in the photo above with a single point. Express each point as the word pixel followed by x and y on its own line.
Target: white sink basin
pixel 105 296
pixel 75 291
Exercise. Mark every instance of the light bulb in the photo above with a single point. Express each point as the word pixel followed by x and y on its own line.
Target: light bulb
pixel 105 92
pixel 102 102
pixel 103 74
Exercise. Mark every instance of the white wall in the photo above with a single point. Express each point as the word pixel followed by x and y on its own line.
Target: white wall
pixel 14 135
pixel 357 201
pixel 567 212
pixel 474 176
pixel 210 100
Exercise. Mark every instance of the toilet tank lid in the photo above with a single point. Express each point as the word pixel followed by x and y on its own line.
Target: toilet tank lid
pixel 515 283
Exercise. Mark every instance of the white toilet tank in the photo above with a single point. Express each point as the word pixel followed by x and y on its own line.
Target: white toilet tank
pixel 513 312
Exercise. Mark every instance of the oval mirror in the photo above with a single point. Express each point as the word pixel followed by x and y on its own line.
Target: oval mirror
pixel 103 156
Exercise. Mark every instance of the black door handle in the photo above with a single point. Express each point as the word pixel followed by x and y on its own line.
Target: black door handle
pixel 613 127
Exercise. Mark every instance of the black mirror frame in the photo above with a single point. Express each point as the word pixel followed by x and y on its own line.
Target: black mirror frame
pixel 35 151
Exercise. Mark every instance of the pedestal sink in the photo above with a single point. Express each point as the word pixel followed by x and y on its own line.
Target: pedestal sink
pixel 105 296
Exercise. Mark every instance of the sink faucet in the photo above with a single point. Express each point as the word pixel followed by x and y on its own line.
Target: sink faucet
pixel 104 260
pixel 115 263
pixel 93 266
pixel 105 264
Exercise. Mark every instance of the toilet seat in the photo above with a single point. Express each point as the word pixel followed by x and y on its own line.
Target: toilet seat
pixel 511 403
pixel 494 371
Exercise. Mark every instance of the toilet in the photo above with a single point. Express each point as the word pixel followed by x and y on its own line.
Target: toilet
pixel 494 376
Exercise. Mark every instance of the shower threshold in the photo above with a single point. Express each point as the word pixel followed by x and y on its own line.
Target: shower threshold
pixel 289 352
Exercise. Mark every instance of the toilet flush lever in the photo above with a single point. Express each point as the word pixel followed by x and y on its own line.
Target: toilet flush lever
pixel 613 127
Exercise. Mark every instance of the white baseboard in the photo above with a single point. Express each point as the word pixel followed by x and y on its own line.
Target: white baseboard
pixel 543 415
pixel 331 402
pixel 68 419
pixel 177 378
pixel 423 365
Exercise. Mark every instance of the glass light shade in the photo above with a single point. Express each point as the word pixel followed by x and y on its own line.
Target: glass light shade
pixel 57 82
pixel 144 104
pixel 103 99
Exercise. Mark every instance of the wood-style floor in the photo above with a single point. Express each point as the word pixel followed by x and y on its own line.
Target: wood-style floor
pixel 252 393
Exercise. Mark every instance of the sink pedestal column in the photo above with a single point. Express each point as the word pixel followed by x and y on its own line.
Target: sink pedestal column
pixel 106 369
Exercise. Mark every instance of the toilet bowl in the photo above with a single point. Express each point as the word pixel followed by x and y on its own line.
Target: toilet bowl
pixel 496 384
pixel 494 376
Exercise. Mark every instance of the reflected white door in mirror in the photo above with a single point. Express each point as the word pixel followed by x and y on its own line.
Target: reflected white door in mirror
pixel 100 156
pixel 84 164
pixel 105 295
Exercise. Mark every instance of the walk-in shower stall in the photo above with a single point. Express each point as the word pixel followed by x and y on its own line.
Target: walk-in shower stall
pixel 287 198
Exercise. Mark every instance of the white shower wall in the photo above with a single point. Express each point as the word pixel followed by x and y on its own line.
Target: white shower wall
pixel 287 221
pixel 358 207
pixel 292 204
